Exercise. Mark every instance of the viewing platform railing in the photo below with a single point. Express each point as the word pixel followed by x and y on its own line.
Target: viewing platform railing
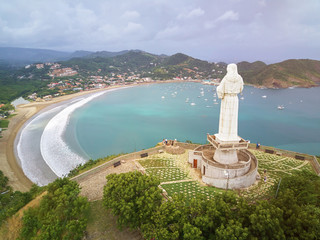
pixel 243 144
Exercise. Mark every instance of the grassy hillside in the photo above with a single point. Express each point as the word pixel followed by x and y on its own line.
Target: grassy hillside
pixel 147 65
pixel 293 72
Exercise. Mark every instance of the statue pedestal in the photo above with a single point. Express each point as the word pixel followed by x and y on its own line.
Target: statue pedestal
pixel 226 156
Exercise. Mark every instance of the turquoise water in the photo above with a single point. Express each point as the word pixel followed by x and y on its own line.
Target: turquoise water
pixel 139 117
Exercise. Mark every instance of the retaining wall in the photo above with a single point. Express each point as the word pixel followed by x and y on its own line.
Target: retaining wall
pixel 130 156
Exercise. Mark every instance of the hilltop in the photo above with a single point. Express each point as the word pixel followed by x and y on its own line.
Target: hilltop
pixel 19 57
pixel 146 65
pixel 289 73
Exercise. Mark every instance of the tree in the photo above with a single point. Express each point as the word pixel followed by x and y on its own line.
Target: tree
pixel 168 220
pixel 299 221
pixel 265 221
pixel 60 215
pixel 218 211
pixel 133 197
pixel 3 182
pixel 304 185
pixel 198 218
pixel 233 230
pixel 10 201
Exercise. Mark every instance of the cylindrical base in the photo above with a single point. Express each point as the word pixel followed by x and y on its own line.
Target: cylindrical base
pixel 226 156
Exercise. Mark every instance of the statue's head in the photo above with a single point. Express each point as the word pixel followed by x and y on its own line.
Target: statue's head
pixel 232 68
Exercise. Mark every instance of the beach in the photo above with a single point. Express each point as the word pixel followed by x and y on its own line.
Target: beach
pixel 8 162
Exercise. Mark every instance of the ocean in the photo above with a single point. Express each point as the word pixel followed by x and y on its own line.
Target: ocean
pixel 136 118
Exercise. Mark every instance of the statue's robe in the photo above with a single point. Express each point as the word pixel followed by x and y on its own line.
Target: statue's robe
pixel 230 86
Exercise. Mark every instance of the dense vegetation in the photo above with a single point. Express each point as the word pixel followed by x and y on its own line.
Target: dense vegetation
pixel 293 214
pixel 12 87
pixel 133 197
pixel 11 201
pixel 146 65
pixel 60 215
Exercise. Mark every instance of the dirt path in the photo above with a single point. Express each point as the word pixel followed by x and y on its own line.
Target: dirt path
pixel 92 186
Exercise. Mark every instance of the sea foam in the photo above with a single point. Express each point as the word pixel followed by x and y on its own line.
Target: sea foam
pixel 55 152
pixel 28 149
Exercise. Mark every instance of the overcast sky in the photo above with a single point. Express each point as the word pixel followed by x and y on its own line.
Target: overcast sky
pixel 214 30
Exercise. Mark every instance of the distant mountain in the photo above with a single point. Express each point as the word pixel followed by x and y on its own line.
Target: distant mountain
pixel 293 72
pixel 146 64
pixel 176 59
pixel 79 54
pixel 302 72
pixel 249 67
pixel 22 56
pixel 17 57
pixel 105 54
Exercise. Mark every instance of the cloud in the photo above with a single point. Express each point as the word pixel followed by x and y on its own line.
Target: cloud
pixel 166 26
pixel 133 27
pixel 168 32
pixel 228 16
pixel 262 3
pixel 197 12
pixel 130 15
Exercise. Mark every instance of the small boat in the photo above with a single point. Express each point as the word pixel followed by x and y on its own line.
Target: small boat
pixel 209 106
pixel 215 103
pixel 187 100
pixel 242 98
pixel 163 97
pixel 280 107
pixel 206 99
pixel 192 104
pixel 264 96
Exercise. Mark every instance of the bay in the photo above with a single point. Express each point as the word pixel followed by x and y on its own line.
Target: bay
pixel 139 117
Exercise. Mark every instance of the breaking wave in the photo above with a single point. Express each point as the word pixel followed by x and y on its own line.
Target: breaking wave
pixel 55 152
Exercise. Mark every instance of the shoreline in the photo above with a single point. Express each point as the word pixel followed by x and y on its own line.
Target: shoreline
pixel 9 164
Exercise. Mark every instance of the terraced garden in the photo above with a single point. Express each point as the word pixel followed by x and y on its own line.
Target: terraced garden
pixel 271 169
pixel 168 174
pixel 177 177
pixel 190 189
pixel 158 162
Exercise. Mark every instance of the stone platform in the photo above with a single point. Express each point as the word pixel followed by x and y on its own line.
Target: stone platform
pixel 241 174
pixel 174 150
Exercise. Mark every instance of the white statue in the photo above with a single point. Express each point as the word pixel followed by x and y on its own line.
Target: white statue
pixel 230 86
